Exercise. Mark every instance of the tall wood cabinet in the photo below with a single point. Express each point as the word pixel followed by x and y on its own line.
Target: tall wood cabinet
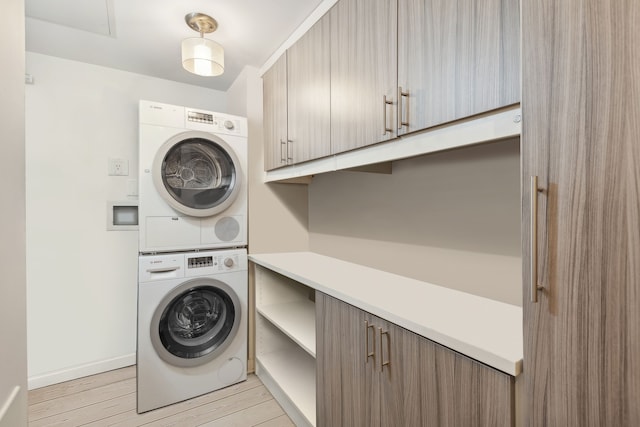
pixel 374 373
pixel 363 72
pixel 465 60
pixel 581 233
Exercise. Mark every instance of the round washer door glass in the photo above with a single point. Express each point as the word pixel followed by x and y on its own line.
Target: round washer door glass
pixel 197 176
pixel 196 323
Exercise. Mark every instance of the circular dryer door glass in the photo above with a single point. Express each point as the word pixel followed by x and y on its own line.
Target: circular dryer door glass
pixel 197 322
pixel 198 173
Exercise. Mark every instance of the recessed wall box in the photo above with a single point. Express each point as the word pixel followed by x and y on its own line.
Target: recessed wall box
pixel 122 216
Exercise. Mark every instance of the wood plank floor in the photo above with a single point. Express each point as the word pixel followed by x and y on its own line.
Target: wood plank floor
pixel 109 399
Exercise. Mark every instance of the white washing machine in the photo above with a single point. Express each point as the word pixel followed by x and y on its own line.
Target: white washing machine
pixel 192 325
pixel 192 179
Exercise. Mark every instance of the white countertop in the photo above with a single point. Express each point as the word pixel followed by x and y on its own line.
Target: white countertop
pixel 483 329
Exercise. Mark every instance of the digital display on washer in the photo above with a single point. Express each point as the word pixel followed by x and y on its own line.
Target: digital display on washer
pixel 203 261
pixel 194 116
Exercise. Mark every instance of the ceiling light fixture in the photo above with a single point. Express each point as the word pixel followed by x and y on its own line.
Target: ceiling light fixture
pixel 202 56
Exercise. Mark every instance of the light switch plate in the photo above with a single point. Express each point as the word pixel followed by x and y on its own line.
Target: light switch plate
pixel 118 167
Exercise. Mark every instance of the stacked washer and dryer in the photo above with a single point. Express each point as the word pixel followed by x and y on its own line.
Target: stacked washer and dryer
pixel 192 270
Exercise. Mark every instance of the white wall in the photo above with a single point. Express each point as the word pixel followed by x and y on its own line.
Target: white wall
pixel 450 218
pixel 81 278
pixel 13 342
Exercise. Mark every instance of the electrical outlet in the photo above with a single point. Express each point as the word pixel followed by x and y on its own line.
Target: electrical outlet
pixel 118 167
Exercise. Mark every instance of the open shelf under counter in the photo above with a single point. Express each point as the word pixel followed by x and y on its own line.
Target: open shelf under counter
pixel 291 378
pixel 480 328
pixel 296 320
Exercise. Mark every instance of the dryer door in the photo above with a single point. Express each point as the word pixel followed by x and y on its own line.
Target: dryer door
pixel 197 174
pixel 195 322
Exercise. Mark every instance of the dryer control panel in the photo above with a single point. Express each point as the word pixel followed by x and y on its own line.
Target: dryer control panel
pixel 194 116
pixel 207 121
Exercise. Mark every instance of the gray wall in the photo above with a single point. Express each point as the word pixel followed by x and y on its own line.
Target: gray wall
pixel 450 218
pixel 13 330
pixel 278 213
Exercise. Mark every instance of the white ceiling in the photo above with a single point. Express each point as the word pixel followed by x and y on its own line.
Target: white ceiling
pixel 144 36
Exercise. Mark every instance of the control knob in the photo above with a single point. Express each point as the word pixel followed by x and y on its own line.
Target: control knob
pixel 228 124
pixel 228 262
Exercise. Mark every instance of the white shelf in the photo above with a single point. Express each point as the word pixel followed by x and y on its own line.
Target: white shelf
pixel 500 124
pixel 485 330
pixel 297 320
pixel 294 373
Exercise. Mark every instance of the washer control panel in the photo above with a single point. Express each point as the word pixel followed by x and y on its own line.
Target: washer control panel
pixel 221 262
pixel 200 264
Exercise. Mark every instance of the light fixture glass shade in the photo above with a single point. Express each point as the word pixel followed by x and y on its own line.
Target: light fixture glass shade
pixel 202 56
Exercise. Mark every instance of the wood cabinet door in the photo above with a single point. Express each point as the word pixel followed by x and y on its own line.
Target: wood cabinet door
pixel 309 92
pixel 275 114
pixel 581 138
pixel 458 391
pixel 456 58
pixel 398 371
pixel 342 364
pixel 363 72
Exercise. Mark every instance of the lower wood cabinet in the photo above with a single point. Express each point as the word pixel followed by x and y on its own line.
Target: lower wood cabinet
pixel 371 372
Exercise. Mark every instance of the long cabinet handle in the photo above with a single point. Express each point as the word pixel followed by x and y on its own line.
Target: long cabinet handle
pixel 283 156
pixel 535 287
pixel 386 102
pixel 290 155
pixel 382 362
pixel 368 354
pixel 402 94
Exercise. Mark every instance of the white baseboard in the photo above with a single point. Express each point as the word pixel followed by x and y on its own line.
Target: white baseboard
pixel 81 371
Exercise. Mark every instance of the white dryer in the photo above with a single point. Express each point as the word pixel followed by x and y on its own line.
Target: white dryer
pixel 192 325
pixel 192 179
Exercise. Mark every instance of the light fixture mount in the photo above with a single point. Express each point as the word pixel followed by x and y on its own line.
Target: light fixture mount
pixel 204 24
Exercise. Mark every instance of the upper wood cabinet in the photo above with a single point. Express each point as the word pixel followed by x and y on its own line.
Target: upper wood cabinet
pixel 308 76
pixel 456 58
pixel 275 114
pixel 581 222
pixel 372 70
pixel 297 101
pixel 371 373
pixel 363 72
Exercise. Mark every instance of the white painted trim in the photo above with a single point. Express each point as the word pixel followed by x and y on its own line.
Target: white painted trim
pixel 499 125
pixel 299 32
pixel 8 412
pixel 81 371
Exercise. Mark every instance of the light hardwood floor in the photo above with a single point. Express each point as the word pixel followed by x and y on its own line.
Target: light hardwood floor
pixel 109 399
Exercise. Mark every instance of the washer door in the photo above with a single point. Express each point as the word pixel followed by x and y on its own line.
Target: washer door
pixel 195 322
pixel 197 174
